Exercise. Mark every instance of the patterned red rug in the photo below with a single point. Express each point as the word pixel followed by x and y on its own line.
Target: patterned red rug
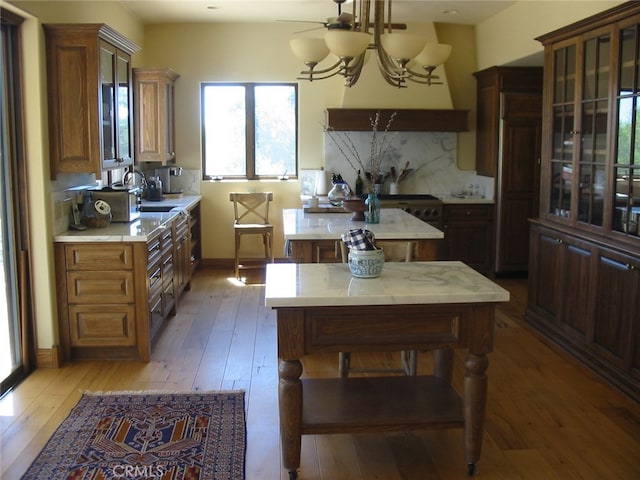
pixel 148 435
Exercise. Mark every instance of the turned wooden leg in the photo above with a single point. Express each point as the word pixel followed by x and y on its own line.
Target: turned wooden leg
pixel 290 404
pixel 443 363
pixel 475 400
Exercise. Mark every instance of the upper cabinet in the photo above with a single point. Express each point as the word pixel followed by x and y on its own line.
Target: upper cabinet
pixel 90 98
pixel 155 114
pixel 591 149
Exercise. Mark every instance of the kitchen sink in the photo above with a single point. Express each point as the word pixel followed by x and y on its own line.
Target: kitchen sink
pixel 156 208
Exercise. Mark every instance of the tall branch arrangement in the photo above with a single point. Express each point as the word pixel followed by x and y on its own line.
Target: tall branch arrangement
pixel 380 144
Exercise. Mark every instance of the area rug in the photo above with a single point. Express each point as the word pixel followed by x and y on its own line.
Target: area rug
pixel 147 435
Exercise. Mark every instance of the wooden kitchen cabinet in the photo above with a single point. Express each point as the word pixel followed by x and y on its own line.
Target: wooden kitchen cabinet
pixel 100 295
pixel 155 114
pixel 468 234
pixel 590 197
pixel 90 98
pixel 585 297
pixel 508 139
pixel 114 297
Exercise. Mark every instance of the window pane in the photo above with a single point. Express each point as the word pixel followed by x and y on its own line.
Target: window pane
pixel 275 130
pixel 224 128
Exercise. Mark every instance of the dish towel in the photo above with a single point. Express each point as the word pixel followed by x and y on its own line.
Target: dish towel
pixel 359 239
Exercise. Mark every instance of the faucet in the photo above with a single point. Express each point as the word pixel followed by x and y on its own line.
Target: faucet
pixel 132 173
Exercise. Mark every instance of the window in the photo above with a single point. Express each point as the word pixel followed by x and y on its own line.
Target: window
pixel 249 131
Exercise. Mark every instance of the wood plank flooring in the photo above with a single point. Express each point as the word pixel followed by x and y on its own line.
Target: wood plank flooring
pixel 548 417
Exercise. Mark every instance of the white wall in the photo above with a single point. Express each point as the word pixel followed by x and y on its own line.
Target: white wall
pixel 510 35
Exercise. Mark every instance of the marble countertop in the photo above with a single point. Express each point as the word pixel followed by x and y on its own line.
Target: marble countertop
pixel 400 283
pixel 395 224
pixel 139 230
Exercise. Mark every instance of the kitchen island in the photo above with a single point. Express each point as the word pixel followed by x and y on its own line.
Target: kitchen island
pixel 314 237
pixel 418 305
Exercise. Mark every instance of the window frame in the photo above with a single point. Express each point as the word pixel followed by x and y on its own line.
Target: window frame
pixel 250 134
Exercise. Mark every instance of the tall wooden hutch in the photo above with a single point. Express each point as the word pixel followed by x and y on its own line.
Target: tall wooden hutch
pixel 584 288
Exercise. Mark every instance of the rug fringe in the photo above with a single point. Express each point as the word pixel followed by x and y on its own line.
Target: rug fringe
pixel 157 392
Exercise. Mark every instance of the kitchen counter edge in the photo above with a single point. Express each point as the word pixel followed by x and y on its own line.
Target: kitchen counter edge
pixel 139 230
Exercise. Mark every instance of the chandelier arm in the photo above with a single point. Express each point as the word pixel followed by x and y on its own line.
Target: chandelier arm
pixel 311 78
pixel 428 73
pixel 428 81
pixel 355 71
pixel 391 73
pixel 324 70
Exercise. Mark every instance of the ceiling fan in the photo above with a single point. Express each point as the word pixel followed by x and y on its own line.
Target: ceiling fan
pixel 344 21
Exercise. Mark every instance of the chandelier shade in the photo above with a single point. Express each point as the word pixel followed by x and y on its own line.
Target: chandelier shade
pixel 402 46
pixel 346 43
pixel 433 54
pixel 309 50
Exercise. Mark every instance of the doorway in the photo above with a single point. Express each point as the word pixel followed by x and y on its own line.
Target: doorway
pixel 15 311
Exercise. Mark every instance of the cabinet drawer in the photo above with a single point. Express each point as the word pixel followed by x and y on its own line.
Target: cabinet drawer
pixel 103 325
pixel 155 280
pixel 104 256
pixel 100 287
pixel 153 250
pixel 468 212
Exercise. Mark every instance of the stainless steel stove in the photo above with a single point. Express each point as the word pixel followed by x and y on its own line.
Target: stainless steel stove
pixel 425 207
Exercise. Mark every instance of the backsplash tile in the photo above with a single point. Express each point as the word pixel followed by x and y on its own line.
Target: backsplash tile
pixel 432 155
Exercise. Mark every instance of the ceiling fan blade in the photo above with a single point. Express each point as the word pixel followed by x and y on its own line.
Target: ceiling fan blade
pixel 308 30
pixel 304 21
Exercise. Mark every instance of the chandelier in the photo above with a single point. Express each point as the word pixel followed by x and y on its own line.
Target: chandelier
pixel 402 56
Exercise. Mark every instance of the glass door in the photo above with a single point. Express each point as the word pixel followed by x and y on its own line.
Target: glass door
pixel 14 357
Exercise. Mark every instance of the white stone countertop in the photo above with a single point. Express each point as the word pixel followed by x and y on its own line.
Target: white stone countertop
pixel 395 224
pixel 400 283
pixel 139 230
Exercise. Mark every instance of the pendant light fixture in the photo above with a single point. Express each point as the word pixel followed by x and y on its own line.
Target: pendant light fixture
pixel 402 56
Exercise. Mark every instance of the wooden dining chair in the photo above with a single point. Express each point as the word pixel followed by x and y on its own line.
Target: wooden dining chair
pixel 394 251
pixel 251 217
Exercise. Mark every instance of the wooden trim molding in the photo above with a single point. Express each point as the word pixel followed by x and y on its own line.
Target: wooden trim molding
pixel 48 357
pixel 406 120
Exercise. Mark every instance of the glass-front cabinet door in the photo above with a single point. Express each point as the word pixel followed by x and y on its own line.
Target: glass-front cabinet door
pixel 564 133
pixel 592 156
pixel 115 107
pixel 626 204
pixel 579 145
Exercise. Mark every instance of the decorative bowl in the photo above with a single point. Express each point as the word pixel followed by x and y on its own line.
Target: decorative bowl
pixel 357 206
pixel 366 263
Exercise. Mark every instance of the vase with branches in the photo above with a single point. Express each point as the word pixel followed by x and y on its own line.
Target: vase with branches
pixel 370 162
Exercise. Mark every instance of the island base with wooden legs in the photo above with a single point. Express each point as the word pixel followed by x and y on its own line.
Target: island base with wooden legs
pixel 438 321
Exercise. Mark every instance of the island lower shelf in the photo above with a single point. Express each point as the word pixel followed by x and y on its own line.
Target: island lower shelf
pixel 367 404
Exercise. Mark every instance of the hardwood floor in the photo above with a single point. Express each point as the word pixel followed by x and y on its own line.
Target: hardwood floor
pixel 548 417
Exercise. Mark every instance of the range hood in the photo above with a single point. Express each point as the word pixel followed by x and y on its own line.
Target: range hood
pixel 406 120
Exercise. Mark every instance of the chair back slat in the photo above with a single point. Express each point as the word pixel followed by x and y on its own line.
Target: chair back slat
pixel 251 208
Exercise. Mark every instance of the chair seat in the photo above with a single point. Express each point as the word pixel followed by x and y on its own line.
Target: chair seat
pixel 257 227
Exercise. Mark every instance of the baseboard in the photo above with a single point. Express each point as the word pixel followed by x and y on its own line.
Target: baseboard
pixel 228 263
pixel 48 357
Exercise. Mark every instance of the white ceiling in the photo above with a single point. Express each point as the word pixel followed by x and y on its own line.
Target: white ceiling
pixel 166 11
